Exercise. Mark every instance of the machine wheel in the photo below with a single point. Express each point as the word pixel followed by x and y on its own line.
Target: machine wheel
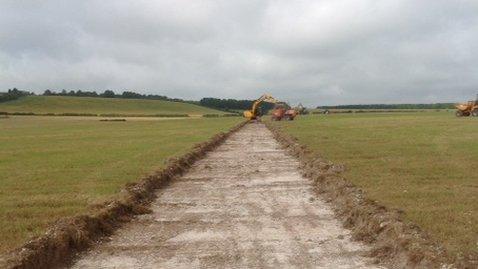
pixel 459 113
pixel 474 113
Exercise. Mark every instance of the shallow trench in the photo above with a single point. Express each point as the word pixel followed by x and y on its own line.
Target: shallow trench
pixel 244 205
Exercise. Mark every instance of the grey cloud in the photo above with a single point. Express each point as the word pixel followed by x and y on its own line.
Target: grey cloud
pixel 314 52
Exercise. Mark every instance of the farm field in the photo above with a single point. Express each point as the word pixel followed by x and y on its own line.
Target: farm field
pixel 392 110
pixel 52 167
pixel 423 163
pixel 90 105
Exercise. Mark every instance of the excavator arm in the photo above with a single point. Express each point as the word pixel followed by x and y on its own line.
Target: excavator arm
pixel 252 113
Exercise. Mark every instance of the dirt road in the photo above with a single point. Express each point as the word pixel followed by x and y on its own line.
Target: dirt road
pixel 245 205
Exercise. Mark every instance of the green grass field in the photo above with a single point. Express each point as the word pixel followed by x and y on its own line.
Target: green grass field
pixel 52 167
pixel 423 163
pixel 391 110
pixel 62 104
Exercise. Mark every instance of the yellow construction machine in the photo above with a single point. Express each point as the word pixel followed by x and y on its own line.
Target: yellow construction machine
pixel 253 113
pixel 467 109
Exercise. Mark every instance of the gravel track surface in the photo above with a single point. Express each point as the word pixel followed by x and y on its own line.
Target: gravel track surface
pixel 245 205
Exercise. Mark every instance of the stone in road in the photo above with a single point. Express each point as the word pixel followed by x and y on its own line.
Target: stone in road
pixel 245 205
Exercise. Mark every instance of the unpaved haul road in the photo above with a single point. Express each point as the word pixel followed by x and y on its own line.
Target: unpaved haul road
pixel 245 205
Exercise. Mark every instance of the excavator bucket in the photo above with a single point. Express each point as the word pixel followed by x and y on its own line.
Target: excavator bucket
pixel 248 114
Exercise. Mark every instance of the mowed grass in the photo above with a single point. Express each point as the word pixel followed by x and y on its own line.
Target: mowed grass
pixel 63 104
pixel 423 163
pixel 51 167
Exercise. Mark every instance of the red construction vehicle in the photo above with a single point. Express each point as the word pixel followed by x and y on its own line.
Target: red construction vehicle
pixel 283 111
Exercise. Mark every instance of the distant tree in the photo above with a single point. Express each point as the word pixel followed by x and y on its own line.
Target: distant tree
pixel 80 93
pixel 13 94
pixel 131 95
pixel 108 94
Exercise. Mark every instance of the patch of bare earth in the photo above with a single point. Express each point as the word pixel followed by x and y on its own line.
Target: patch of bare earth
pixel 245 205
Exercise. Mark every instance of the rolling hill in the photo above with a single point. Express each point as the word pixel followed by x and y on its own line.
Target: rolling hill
pixel 89 105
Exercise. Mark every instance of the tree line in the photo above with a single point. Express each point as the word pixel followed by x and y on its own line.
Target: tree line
pixel 112 94
pixel 232 104
pixel 13 94
pixel 216 103
pixel 392 106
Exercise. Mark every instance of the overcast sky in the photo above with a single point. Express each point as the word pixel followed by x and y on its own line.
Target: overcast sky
pixel 314 52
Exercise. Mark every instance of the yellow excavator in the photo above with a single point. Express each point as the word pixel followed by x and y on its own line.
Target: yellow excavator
pixel 253 113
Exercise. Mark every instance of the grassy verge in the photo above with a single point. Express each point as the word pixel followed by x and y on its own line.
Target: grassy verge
pixel 93 106
pixel 423 163
pixel 52 168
